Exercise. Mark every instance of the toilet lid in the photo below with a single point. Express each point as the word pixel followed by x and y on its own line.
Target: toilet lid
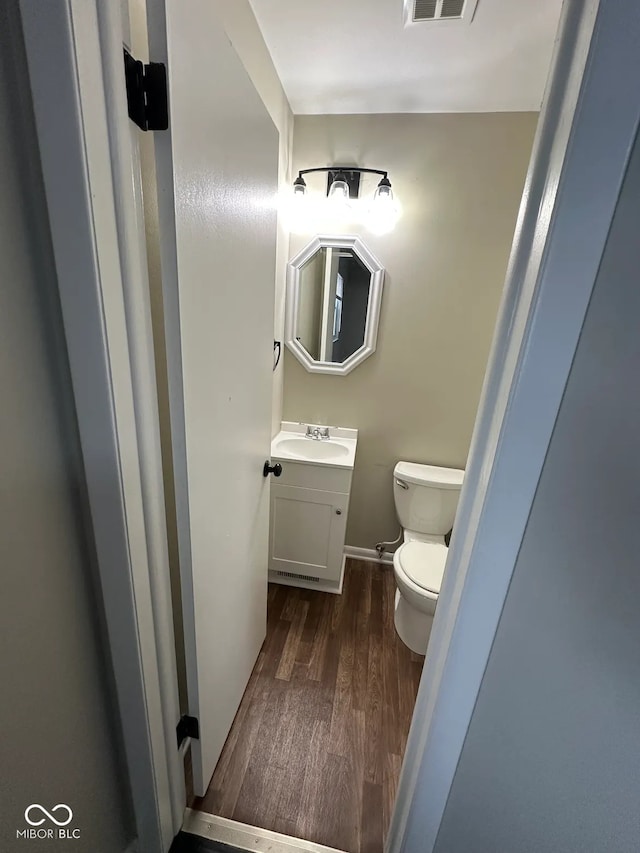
pixel 423 563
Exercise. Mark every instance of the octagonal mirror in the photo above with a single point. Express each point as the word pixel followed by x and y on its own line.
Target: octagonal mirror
pixel 334 292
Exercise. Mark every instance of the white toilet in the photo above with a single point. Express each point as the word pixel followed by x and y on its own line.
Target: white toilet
pixel 426 500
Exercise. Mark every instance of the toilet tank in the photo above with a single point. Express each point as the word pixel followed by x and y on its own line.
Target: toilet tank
pixel 426 497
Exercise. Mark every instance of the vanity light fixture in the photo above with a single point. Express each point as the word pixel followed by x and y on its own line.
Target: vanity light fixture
pixel 343 185
pixel 343 180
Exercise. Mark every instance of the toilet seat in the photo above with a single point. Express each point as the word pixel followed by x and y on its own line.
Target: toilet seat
pixel 423 563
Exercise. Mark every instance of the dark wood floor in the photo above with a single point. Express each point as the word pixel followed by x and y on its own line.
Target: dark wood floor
pixel 316 746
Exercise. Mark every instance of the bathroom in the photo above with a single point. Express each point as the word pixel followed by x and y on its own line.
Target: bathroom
pixel 413 400
pixel 177 692
pixel 316 725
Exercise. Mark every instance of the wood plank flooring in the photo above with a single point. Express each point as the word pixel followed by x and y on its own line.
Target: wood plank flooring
pixel 316 746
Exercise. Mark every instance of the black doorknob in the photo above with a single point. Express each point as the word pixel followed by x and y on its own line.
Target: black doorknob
pixel 276 469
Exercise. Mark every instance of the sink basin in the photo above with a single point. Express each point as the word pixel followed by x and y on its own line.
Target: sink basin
pixel 308 448
pixel 292 445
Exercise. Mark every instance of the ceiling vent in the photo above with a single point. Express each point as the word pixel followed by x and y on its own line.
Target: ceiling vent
pixel 439 11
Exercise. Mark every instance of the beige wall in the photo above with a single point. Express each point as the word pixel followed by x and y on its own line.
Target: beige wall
pixel 60 741
pixel 459 178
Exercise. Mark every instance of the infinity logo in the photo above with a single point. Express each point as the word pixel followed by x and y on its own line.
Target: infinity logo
pixel 49 815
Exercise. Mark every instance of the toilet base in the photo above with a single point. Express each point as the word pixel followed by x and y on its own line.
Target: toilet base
pixel 412 626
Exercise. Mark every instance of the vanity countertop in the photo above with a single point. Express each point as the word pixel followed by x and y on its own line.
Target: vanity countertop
pixel 292 444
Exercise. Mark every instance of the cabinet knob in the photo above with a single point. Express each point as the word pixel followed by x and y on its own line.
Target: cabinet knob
pixel 338 512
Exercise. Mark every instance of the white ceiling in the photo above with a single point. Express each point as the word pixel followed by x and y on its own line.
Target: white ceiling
pixel 356 56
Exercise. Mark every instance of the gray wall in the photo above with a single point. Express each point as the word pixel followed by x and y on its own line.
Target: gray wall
pixel 59 740
pixel 551 761
pixel 459 179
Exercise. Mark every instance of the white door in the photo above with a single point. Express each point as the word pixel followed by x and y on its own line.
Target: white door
pixel 219 308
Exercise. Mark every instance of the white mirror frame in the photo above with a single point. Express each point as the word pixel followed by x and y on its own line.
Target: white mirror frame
pixel 373 309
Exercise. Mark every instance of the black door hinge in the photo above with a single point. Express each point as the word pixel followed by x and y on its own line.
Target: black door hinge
pixel 146 93
pixel 187 727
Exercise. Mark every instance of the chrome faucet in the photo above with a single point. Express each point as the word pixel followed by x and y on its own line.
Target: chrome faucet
pixel 317 433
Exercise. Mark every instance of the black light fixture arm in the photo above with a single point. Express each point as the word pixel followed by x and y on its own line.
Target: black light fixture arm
pixel 344 176
pixel 338 169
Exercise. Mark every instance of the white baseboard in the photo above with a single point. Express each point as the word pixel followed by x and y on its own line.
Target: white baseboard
pixel 369 554
pixel 247 837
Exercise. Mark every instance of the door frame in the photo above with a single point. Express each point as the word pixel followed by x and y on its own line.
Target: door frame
pixel 547 292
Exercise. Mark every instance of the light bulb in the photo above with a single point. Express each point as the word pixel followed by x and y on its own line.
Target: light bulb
pixel 339 202
pixel 384 212
pixel 339 190
pixel 299 187
pixel 297 207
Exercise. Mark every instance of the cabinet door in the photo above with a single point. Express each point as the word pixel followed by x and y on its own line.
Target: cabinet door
pixel 307 531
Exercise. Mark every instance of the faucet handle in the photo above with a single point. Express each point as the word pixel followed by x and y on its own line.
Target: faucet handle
pixel 316 432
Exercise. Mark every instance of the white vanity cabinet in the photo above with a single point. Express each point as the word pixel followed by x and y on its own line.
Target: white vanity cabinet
pixel 308 518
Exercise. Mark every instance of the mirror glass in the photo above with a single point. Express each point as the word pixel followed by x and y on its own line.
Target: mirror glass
pixel 333 299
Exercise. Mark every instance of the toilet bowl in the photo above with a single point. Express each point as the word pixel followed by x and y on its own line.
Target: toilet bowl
pixel 418 568
pixel 426 499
